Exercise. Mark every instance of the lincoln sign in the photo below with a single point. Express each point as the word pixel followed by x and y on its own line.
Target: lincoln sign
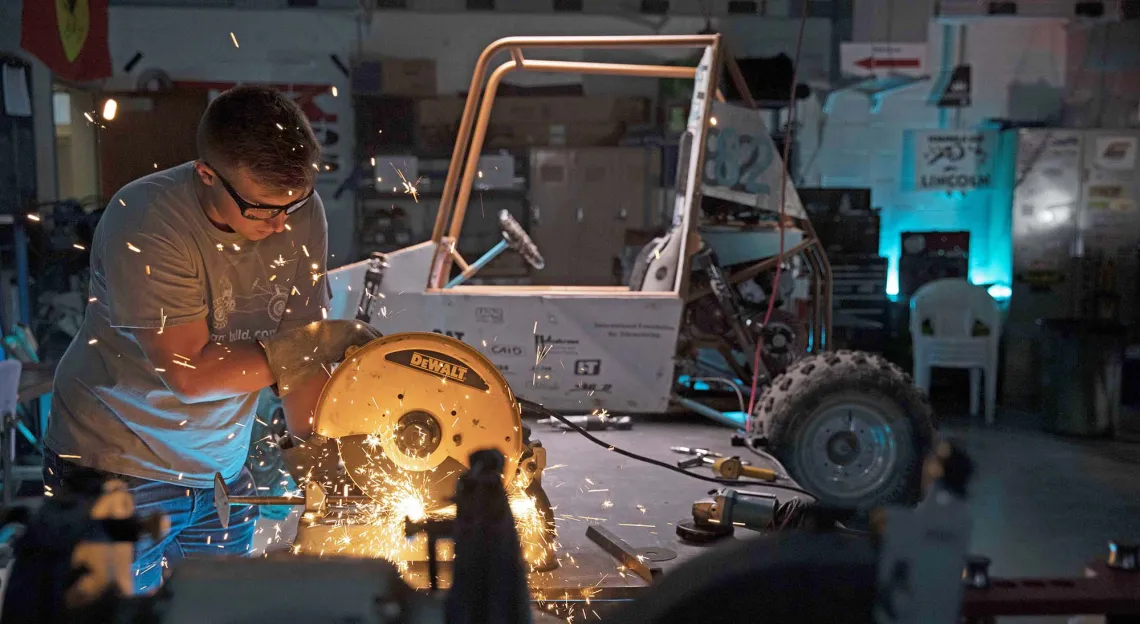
pixel 953 160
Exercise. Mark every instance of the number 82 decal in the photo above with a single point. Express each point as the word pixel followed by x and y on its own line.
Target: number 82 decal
pixel 737 161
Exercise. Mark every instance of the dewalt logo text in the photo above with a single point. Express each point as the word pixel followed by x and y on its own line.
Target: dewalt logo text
pixel 439 367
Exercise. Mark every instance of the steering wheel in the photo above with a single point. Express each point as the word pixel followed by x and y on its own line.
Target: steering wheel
pixel 518 239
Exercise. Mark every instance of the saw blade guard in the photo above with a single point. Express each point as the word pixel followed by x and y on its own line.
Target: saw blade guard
pixel 408 409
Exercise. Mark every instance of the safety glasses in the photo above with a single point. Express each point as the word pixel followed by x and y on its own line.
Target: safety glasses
pixel 259 212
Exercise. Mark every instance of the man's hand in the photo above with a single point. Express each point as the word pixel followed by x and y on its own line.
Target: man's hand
pixel 197 371
pixel 300 404
pixel 296 355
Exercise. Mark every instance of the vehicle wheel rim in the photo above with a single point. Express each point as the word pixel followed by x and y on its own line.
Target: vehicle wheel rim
pixel 849 450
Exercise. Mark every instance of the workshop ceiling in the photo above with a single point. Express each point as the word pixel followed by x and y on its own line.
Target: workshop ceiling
pixel 707 8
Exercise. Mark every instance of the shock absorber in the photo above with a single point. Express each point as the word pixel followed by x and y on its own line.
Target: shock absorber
pixel 728 300
pixel 373 277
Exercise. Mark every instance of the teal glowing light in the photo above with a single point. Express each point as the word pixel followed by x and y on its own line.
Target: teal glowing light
pixel 1000 291
pixel 986 213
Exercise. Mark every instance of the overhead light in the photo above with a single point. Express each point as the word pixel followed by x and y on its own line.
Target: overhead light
pixel 110 107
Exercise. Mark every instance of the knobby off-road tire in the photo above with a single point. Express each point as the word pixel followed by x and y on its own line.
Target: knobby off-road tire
pixel 850 427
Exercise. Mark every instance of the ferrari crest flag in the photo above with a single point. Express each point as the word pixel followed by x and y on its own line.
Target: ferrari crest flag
pixel 69 36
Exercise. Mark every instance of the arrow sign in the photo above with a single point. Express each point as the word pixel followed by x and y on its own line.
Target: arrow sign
pixel 872 63
pixel 867 59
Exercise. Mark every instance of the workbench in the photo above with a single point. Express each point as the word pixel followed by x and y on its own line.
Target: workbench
pixel 589 485
pixel 638 502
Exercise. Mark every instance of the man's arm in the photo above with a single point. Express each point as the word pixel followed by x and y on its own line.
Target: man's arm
pixel 196 370
pixel 156 293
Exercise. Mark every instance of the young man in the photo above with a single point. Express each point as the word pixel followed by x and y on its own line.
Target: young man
pixel 191 269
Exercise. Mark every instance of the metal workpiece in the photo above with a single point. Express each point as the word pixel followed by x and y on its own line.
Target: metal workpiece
pixel 630 557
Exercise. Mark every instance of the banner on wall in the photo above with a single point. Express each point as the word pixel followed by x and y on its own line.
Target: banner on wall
pixel 69 36
pixel 953 160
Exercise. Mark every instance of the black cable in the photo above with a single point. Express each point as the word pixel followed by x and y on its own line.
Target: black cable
pixel 649 460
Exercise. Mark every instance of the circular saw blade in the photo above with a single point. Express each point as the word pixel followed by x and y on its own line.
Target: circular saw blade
pixel 408 409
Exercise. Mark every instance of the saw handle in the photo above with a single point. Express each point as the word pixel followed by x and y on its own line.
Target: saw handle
pixel 733 468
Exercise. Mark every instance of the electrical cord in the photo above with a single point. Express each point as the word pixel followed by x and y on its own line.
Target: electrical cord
pixel 535 407
pixel 771 459
pixel 783 207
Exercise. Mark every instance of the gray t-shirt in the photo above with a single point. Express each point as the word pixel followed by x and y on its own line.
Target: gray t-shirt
pixel 157 261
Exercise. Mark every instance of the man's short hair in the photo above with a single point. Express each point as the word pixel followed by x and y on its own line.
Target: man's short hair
pixel 262 131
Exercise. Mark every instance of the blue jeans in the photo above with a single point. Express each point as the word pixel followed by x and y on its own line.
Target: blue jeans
pixel 195 529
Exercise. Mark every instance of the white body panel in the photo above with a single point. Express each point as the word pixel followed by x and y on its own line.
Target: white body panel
pixel 571 350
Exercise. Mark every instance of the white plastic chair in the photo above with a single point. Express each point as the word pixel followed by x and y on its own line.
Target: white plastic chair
pixel 944 317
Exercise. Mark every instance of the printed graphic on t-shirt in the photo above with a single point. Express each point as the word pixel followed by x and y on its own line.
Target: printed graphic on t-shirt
pixel 224 304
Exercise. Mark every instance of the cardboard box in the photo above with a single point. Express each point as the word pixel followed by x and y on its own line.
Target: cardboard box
pixel 506 136
pixel 539 110
pixel 440 111
pixel 553 135
pixel 567 110
pixel 406 77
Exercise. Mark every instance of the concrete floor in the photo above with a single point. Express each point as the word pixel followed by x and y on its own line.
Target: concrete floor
pixel 1042 504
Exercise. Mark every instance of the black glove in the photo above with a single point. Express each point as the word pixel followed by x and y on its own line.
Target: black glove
pixel 298 353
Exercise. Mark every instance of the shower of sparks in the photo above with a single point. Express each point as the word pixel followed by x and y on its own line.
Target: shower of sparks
pixel 133 248
pixel 377 527
pixel 541 352
pixel 409 188
pixel 33 217
pixel 162 320
pixel 334 94
pixel 185 364
pixel 92 341
pixel 78 246
pixel 233 37
pixel 306 250
pixel 646 526
pixel 148 269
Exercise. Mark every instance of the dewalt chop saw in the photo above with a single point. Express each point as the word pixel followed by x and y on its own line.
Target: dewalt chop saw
pixel 393 431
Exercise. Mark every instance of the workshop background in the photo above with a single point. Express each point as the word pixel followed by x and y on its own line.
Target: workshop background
pixel 1040 208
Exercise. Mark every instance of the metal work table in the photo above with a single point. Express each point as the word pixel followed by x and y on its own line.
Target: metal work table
pixel 638 502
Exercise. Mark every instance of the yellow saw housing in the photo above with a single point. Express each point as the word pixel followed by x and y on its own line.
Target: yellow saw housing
pixel 422 402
